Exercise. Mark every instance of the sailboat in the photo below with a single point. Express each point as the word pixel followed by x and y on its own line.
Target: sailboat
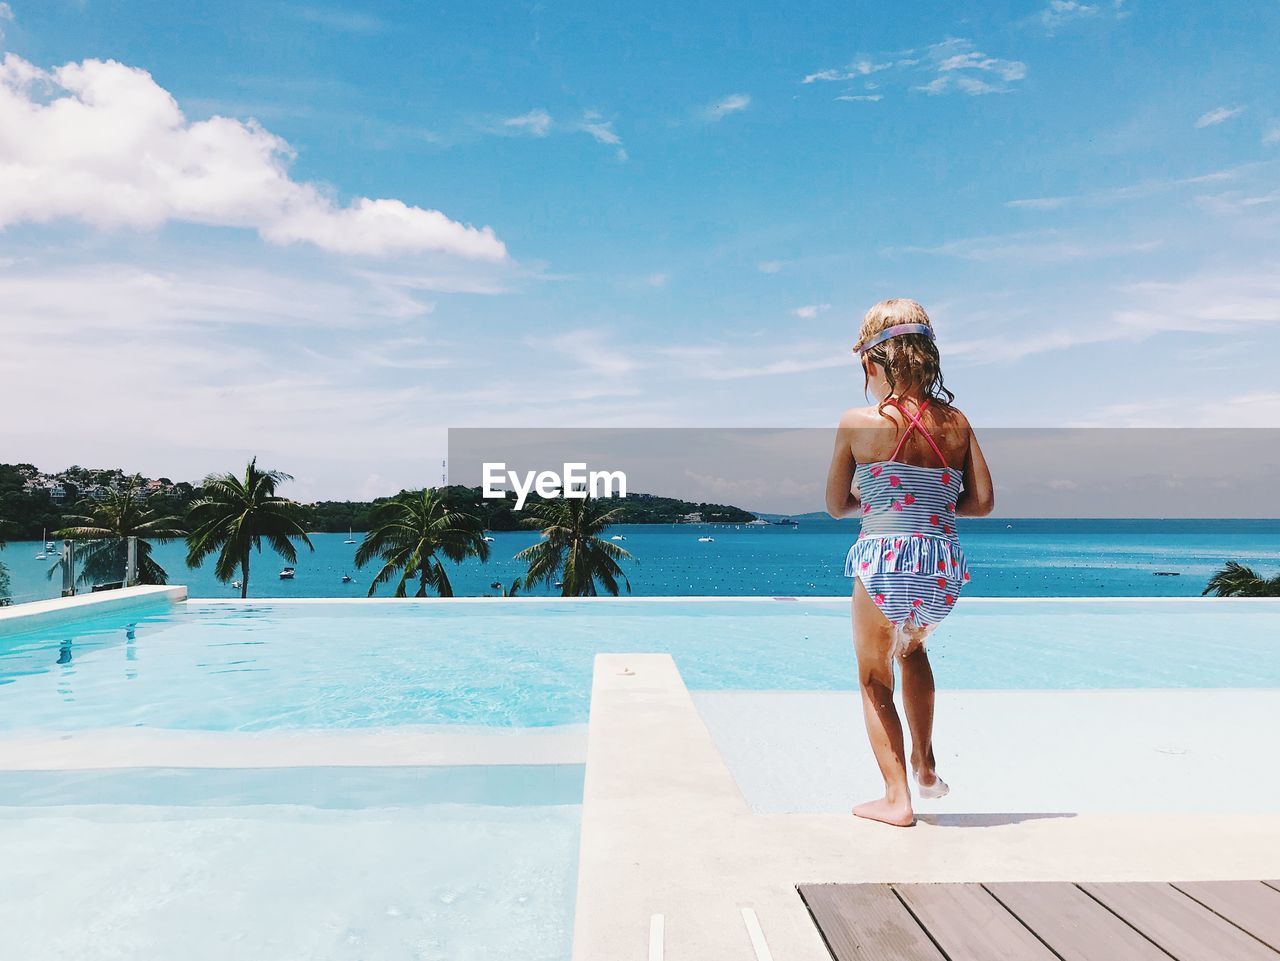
pixel 44 551
pixel 351 538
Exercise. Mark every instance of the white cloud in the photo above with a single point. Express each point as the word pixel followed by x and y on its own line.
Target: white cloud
pixel 659 279
pixel 861 98
pixel 1059 13
pixel 592 351
pixel 769 266
pixel 1037 247
pixel 960 66
pixel 6 12
pixel 601 131
pixel 1272 134
pixel 1218 115
pixel 535 123
pixel 859 68
pixel 1145 188
pixel 1210 303
pixel 733 103
pixel 347 21
pixel 103 143
pixel 810 311
pixel 953 65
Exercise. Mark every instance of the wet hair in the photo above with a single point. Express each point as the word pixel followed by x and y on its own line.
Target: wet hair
pixel 909 361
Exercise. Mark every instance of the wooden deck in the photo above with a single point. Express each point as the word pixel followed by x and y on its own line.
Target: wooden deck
pixel 1049 921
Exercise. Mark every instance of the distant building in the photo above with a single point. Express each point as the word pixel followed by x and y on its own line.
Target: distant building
pixel 57 493
pixel 693 518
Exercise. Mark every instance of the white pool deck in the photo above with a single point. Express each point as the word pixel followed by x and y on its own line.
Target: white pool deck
pixel 667 831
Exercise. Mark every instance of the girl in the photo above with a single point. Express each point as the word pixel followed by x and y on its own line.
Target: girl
pixel 907 466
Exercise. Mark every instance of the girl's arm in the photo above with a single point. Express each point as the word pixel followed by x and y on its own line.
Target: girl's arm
pixel 840 499
pixel 978 498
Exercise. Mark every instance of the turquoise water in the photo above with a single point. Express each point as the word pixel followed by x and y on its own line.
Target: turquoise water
pixel 514 664
pixel 1008 558
pixel 345 864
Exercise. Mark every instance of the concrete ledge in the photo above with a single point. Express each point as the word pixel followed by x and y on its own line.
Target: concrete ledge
pixel 666 831
pixel 407 746
pixel 39 614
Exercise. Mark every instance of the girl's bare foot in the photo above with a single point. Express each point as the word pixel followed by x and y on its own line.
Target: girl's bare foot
pixel 897 813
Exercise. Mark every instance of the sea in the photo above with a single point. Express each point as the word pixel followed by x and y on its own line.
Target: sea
pixel 1008 557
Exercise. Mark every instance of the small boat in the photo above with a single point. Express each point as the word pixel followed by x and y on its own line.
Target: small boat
pixel 1168 573
pixel 706 540
pixel 351 538
pixel 496 586
pixel 286 574
pixel 488 539
pixel 48 546
pixel 617 537
pixel 347 578
pixel 236 585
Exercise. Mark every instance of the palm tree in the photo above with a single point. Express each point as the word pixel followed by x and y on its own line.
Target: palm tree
pixel 571 544
pixel 411 534
pixel 1236 580
pixel 107 526
pixel 233 515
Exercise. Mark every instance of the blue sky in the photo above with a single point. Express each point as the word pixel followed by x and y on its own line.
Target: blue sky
pixel 664 214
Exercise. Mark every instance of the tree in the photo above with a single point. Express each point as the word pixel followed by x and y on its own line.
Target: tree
pixel 107 525
pixel 411 534
pixel 233 515
pixel 1237 580
pixel 571 547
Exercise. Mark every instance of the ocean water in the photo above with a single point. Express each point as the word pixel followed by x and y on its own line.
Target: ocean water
pixel 273 665
pixel 1007 557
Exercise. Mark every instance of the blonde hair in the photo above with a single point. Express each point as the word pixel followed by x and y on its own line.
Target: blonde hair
pixel 909 361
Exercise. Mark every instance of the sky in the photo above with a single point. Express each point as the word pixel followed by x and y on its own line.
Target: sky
pixel 325 234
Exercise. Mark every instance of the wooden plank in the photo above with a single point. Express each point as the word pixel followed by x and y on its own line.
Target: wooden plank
pixel 1073 924
pixel 1184 928
pixel 1248 904
pixel 867 922
pixel 968 924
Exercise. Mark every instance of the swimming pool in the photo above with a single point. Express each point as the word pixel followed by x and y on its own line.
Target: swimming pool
pixel 344 864
pixel 259 666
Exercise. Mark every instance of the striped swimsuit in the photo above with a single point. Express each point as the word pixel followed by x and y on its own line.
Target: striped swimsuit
pixel 907 553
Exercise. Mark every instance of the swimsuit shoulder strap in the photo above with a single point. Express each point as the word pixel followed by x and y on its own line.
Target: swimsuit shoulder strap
pixel 915 425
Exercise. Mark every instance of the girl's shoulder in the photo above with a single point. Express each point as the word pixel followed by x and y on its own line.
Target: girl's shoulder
pixel 875 416
pixel 860 417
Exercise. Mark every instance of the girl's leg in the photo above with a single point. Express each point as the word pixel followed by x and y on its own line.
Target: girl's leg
pixel 917 699
pixel 873 639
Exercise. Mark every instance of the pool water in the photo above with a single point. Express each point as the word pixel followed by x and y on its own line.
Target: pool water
pixel 517 664
pixel 307 863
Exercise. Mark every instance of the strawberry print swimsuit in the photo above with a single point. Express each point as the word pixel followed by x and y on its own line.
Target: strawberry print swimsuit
pixel 907 553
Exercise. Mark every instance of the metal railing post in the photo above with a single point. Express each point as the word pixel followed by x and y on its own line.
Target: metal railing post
pixel 68 569
pixel 131 563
